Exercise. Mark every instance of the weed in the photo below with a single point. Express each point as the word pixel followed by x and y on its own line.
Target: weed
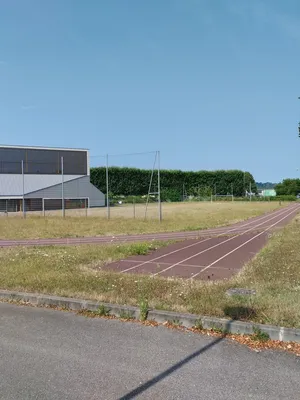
pixel 102 311
pixel 259 335
pixel 219 329
pixel 141 249
pixel 144 308
pixel 175 322
pixel 198 325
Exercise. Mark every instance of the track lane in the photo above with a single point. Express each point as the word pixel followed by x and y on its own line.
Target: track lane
pixel 246 242
pixel 211 258
pixel 239 227
pixel 203 241
pixel 236 237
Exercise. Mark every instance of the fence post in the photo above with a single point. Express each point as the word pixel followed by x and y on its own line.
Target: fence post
pixel 133 208
pixel 43 202
pixel 158 187
pixel 107 189
pixel 62 188
pixel 23 190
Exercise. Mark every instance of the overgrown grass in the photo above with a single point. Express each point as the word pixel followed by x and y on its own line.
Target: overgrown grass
pixel 176 217
pixel 76 272
pixel 69 271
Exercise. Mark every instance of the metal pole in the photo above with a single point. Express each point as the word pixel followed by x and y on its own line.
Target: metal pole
pixel 133 208
pixel 244 183
pixel 43 201
pixel 23 189
pixel 250 191
pixel 107 188
pixel 86 206
pixel 150 185
pixel 158 187
pixel 62 188
pixel 232 191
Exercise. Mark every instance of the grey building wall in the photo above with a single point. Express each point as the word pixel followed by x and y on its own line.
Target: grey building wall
pixel 12 184
pixel 76 188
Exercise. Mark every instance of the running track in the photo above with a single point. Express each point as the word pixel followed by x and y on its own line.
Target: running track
pixel 210 254
pixel 219 254
pixel 238 228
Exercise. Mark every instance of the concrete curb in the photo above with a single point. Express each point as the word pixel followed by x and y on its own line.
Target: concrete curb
pixel 185 320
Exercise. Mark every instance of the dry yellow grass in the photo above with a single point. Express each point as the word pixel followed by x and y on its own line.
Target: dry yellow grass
pixel 76 272
pixel 176 217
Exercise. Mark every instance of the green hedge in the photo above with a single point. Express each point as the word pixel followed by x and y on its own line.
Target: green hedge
pixel 284 198
pixel 174 183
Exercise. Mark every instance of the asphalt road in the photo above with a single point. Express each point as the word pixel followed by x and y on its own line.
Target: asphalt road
pixel 46 354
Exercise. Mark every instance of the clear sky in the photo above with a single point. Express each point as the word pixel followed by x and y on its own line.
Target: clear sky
pixel 212 84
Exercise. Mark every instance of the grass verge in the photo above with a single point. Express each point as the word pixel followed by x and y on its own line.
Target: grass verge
pixel 176 217
pixel 76 272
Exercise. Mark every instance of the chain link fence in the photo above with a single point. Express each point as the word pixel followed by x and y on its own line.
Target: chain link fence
pixel 51 189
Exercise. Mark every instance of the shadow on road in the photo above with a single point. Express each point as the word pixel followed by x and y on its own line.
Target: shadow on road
pixel 140 389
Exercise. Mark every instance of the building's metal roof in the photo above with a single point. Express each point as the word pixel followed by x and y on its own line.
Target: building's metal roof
pixel 12 184
pixel 6 146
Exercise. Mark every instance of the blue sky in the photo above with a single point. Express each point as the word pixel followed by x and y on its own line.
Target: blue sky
pixel 212 84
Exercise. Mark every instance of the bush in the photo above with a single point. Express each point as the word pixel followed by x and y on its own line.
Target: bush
pixel 170 195
pixel 284 198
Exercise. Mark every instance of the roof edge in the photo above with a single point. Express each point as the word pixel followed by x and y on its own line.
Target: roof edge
pixel 6 146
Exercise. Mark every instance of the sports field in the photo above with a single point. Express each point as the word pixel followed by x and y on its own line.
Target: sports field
pixel 176 217
pixel 76 271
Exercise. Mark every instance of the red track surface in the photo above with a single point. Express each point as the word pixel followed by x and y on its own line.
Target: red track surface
pixel 212 257
pixel 256 224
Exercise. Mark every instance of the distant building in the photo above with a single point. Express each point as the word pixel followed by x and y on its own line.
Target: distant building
pixel 268 193
pixel 36 174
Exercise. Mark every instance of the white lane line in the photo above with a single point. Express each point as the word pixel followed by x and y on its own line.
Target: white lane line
pixel 242 245
pixel 163 263
pixel 202 241
pixel 164 255
pixel 219 244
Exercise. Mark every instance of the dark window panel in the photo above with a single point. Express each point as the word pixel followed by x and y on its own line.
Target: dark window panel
pixel 42 161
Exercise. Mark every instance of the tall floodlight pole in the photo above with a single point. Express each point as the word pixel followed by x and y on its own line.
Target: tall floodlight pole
pixel 62 188
pixel 107 188
pixel 158 187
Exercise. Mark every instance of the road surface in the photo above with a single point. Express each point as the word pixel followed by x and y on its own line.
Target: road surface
pixel 53 355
